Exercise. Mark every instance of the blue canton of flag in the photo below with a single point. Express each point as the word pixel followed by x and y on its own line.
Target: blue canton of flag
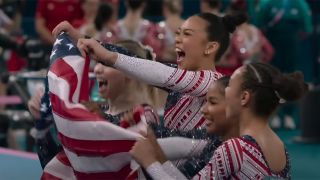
pixel 63 46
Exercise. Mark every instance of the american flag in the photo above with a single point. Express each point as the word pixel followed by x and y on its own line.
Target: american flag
pixel 92 147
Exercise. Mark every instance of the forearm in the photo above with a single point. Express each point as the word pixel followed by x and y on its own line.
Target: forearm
pixel 173 151
pixel 194 164
pixel 43 32
pixel 194 83
pixel 173 171
pixel 45 35
pixel 151 72
pixel 157 172
pixel 165 132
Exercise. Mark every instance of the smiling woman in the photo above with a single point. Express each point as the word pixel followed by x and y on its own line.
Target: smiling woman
pixel 200 41
pixel 258 153
pixel 214 111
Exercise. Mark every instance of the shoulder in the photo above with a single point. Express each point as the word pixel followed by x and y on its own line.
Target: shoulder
pixel 233 149
pixel 215 74
pixel 228 158
pixel 234 144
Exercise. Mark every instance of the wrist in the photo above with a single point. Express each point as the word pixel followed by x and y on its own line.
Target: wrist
pixel 162 159
pixel 148 162
pixel 111 58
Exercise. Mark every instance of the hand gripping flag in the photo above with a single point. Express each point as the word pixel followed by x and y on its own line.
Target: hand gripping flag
pixel 92 147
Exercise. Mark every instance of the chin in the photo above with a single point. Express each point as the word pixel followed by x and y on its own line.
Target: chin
pixel 210 130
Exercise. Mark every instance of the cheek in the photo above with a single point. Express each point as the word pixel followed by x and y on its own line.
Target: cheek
pixel 118 83
pixel 193 44
pixel 220 115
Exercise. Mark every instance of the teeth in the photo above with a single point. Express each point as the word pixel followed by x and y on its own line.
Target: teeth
pixel 178 50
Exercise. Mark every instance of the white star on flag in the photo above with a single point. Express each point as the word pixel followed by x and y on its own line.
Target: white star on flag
pixel 58 41
pixel 70 46
pixel 53 53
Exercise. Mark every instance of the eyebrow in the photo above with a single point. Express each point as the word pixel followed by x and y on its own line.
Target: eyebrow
pixel 213 98
pixel 188 30
pixel 180 29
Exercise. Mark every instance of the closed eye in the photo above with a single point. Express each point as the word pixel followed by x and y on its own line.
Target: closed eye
pixel 212 100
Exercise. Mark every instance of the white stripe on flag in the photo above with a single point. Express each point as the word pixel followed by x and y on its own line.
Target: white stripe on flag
pixel 58 169
pixel 61 88
pixel 77 64
pixel 111 163
pixel 92 130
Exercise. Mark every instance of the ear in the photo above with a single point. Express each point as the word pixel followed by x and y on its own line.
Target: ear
pixel 245 98
pixel 211 47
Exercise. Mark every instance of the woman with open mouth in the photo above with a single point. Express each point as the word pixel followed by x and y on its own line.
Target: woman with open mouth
pixel 121 92
pixel 200 42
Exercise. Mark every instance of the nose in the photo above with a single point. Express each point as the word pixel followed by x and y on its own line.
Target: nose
pixel 178 39
pixel 204 108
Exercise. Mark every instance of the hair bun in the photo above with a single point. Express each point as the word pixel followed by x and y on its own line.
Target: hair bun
pixel 232 21
pixel 290 86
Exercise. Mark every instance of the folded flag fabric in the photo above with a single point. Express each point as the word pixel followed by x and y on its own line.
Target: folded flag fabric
pixel 92 147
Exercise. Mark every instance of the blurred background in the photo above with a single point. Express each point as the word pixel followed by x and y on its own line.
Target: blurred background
pixel 285 33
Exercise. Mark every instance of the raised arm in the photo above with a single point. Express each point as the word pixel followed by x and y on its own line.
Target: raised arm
pixel 194 83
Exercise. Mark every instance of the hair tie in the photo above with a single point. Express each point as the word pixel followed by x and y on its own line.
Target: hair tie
pixel 281 100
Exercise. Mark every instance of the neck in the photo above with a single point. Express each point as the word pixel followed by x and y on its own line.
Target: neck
pixel 119 105
pixel 251 124
pixel 208 65
pixel 232 133
pixel 133 15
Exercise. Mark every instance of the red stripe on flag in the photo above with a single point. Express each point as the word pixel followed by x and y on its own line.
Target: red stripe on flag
pixel 63 70
pixel 72 114
pixel 85 89
pixel 47 176
pixel 96 147
pixel 62 157
pixel 121 174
